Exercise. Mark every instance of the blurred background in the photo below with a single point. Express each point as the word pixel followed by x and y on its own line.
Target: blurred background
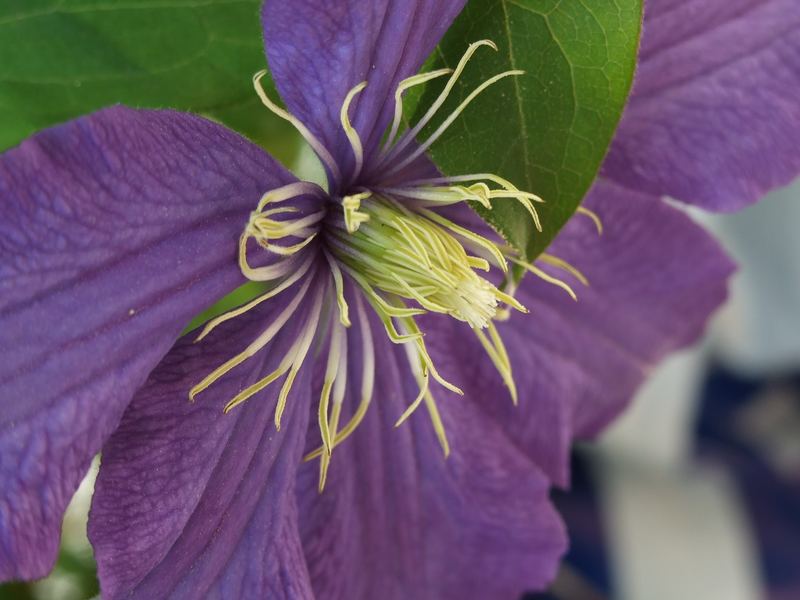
pixel 695 492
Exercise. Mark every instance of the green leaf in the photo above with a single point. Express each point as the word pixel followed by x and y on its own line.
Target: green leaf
pixel 547 130
pixel 64 58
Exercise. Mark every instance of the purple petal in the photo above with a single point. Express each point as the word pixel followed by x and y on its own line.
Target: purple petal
pixel 319 50
pixel 655 277
pixel 193 503
pixel 117 228
pixel 714 118
pixel 398 520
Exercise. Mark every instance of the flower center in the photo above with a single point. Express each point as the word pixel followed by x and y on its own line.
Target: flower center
pixel 412 255
pixel 389 246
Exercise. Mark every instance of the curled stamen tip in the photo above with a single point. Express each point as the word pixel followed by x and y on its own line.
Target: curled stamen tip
pixel 489 43
pixel 228 408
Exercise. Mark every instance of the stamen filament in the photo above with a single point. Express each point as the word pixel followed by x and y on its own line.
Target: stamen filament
pixel 349 130
pixel 383 305
pixel 283 285
pixel 593 216
pixel 331 370
pixel 411 326
pixel 266 227
pixel 262 340
pixel 338 397
pixel 325 156
pixel 367 381
pixel 289 250
pixel 353 217
pixel 500 360
pixel 268 273
pixel 476 239
pixel 545 277
pixel 405 85
pixel 289 191
pixel 449 120
pixel 424 382
pixel 418 370
pixel 298 357
pixel 411 134
pixel 438 426
pixel 344 313
pixel 560 263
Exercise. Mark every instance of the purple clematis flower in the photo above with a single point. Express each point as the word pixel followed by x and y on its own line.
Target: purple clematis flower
pixel 120 226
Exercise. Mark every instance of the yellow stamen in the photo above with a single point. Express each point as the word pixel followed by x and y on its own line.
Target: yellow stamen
pixel 349 130
pixel 593 216
pixel 291 362
pixel 405 85
pixel 367 382
pixel 423 389
pixel 331 370
pixel 262 340
pixel 499 358
pixel 344 312
pixel 353 218
pixel 285 284
pixel 480 241
pixel 449 120
pixel 410 135
pixel 438 426
pixel 325 156
pixel 545 277
pixel 560 263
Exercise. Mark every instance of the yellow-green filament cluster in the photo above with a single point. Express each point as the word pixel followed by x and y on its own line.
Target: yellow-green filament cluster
pixel 445 191
pixel 417 256
pixel 353 217
pixel 282 231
